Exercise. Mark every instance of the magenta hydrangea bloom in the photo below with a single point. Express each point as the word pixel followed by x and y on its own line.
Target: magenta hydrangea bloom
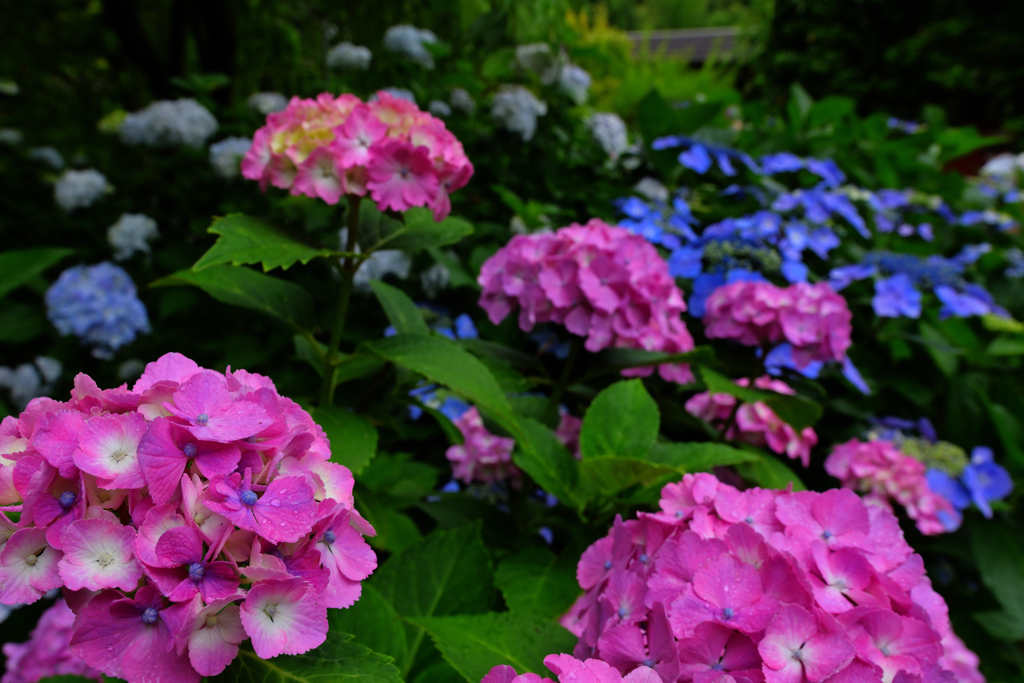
pixel 387 148
pixel 47 652
pixel 755 423
pixel 884 473
pixel 814 319
pixel 602 283
pixel 758 585
pixel 487 458
pixel 184 516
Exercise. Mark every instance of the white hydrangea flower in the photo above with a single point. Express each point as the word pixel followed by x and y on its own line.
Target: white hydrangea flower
pixel 78 189
pixel 27 381
pixel 410 42
pixel 267 102
pixel 439 108
pixel 349 56
pixel 131 233
pixel 610 132
pixel 461 99
pixel 434 279
pixel 48 155
pixel 652 188
pixel 1005 165
pixel 517 109
pixel 575 82
pixel 535 57
pixel 11 136
pixel 226 155
pixel 380 263
pixel 168 123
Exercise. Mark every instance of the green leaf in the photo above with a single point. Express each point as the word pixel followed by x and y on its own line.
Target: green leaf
pixel 21 265
pixel 1001 563
pixel 475 644
pixel 536 581
pixel 395 530
pixel 446 573
pixel 442 360
pixel 402 313
pixel 379 231
pixel 338 659
pixel 353 439
pixel 939 349
pixel 802 99
pixel 310 350
pixel 621 422
pixel 244 240
pixel 1005 346
pixel 609 475
pixel 247 288
pixel 548 463
pixel 770 473
pixel 374 621
pixel 620 359
pixel 698 456
pixel 997 323
pixel 356 366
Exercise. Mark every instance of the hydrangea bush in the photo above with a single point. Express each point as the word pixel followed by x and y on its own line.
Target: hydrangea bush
pixel 704 396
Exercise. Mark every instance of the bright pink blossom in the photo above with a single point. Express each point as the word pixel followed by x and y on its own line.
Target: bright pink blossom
pixel 328 147
pixel 283 617
pixel 482 456
pixel 47 652
pixel 755 423
pixel 813 318
pixel 601 282
pixel 206 497
pixel 759 586
pixel 883 472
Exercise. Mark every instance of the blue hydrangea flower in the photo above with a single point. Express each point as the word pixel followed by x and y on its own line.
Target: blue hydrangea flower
pixel 961 304
pixel 980 483
pixel 783 162
pixel 686 262
pixel 827 170
pixel 896 297
pixel 98 304
pixel 696 158
pixel 844 276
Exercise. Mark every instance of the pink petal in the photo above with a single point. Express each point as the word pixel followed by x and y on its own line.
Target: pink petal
pixel 282 617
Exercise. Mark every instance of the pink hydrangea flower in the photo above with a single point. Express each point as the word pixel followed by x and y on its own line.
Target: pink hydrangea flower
pixel 184 516
pixel 884 473
pixel 814 319
pixel 755 423
pixel 757 585
pixel 602 283
pixel 332 146
pixel 47 652
pixel 487 458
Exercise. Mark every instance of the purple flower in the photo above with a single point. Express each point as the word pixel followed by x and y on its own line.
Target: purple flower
pixel 686 262
pixel 896 297
pixel 844 276
pixel 782 162
pixel 960 304
pixel 827 170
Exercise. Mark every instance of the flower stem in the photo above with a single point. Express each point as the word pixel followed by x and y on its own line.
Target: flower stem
pixel 347 271
pixel 563 381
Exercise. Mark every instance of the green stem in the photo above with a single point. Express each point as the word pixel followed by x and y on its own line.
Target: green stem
pixel 347 271
pixel 563 380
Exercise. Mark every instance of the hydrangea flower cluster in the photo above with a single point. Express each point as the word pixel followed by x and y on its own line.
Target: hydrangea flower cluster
pixel 763 585
pixel 48 155
pixel 883 472
pixel 411 43
pixel 899 278
pixel 130 234
pixel 47 652
pixel 387 148
pixel 169 123
pixel 571 670
pixel 183 516
pixel 227 154
pixel 487 458
pixel 517 109
pixel 98 304
pixel 350 57
pixel 812 318
pixel 609 130
pixel 29 380
pixel 755 423
pixel 79 189
pixel 267 102
pixel 602 282
pixel 980 482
